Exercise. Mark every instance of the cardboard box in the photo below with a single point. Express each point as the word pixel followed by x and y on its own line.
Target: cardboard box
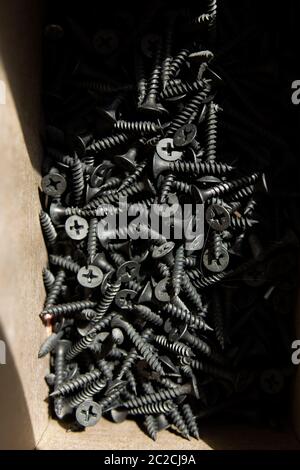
pixel 24 419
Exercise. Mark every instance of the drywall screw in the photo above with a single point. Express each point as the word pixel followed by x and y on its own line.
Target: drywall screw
pixel 60 406
pixel 185 135
pixel 178 421
pixel 80 381
pixel 141 345
pixel 48 228
pixel 54 183
pixel 190 420
pixel 177 63
pixel 176 347
pixel 48 279
pixel 106 301
pixel 186 316
pixel 211 131
pixel 87 340
pixel 55 288
pixel 88 413
pixel 90 276
pixel 147 314
pixel 153 408
pixel 87 393
pixel 150 421
pixel 151 104
pixel 217 217
pixel 67 308
pixel 141 80
pixel 76 227
pixel 178 270
pixel 92 239
pixel 272 381
pixel 64 263
pixel 49 344
pixel 191 109
pixel 107 143
pixel 213 264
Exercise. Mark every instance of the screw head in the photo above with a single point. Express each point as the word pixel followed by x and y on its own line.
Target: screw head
pixel 56 211
pixel 163 250
pixel 161 292
pixel 107 281
pixel 166 150
pixel 88 413
pixel 54 184
pixel 90 276
pixel 217 217
pixel 128 271
pixel 216 265
pixel 118 416
pixel 105 42
pixel 123 297
pixel 100 172
pixel 185 135
pixel 149 44
pixel 272 381
pixel 76 227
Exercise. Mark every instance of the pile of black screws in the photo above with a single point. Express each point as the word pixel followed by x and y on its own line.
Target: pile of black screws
pixel 163 328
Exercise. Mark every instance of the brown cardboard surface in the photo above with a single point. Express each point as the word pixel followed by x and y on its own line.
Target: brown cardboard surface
pixel 128 436
pixel 22 254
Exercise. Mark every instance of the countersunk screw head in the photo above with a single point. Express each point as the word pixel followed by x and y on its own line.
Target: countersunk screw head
pixel 107 281
pixel 161 292
pixel 128 271
pixel 163 250
pixel 54 184
pixel 118 416
pixel 123 297
pixel 76 227
pixel 185 135
pixel 105 41
pixel 271 381
pixel 166 150
pixel 216 265
pixel 217 217
pixel 88 413
pixel 90 276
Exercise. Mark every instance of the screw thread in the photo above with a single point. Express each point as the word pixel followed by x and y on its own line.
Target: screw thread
pixel 56 288
pixel 49 344
pixel 88 392
pixel 92 239
pixel 186 316
pixel 65 263
pixel 147 314
pixel 48 279
pixel 190 420
pixel 48 228
pixel 77 181
pixel 152 409
pixel 178 270
pixel 177 348
pixel 68 308
pixel 108 143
